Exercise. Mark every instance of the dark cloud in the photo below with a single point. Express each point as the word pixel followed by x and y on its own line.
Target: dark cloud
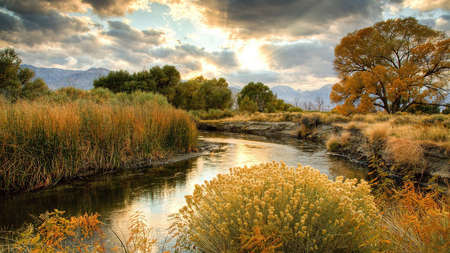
pixel 35 28
pixel 55 22
pixel 106 8
pixel 8 23
pixel 263 18
pixel 446 17
pixel 126 36
pixel 41 6
pixel 396 1
pixel 313 57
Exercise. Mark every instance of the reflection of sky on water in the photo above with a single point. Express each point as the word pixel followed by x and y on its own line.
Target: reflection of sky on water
pixel 159 192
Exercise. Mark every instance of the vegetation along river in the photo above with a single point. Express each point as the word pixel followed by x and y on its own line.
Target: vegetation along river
pixel 160 191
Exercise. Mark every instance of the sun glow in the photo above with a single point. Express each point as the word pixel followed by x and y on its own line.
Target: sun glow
pixel 251 58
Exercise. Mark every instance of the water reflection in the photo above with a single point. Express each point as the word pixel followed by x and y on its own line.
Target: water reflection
pixel 160 191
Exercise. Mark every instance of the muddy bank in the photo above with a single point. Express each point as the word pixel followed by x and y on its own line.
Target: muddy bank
pixel 253 127
pixel 434 165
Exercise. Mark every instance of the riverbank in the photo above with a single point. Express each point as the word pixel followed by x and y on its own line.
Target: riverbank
pixel 392 144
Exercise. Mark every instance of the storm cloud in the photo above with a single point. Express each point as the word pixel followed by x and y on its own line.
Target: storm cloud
pixel 104 8
pixel 264 18
pixel 36 28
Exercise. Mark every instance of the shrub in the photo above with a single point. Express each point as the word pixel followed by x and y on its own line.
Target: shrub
pixel 358 117
pixel 55 233
pixel 404 119
pixel 248 105
pixel 333 143
pixel 405 152
pixel 295 109
pixel 377 132
pixel 381 117
pixel 292 209
pixel 311 120
pixel 433 119
pixel 415 221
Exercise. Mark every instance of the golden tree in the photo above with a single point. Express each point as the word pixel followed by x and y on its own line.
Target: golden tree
pixel 394 65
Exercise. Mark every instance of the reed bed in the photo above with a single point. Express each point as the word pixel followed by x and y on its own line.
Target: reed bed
pixel 42 142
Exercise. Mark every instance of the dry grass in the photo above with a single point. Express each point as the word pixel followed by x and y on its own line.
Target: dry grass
pixel 435 133
pixel 44 142
pixel 335 142
pixel 377 132
pixel 405 152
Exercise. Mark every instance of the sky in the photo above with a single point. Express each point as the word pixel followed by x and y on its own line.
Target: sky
pixel 276 42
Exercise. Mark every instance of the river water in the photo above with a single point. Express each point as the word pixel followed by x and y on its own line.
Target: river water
pixel 159 191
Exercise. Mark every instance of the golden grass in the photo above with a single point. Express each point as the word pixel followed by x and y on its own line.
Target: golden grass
pixel 42 143
pixel 335 142
pixel 377 132
pixel 405 152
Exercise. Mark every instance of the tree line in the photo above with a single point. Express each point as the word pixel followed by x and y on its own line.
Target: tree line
pixel 198 93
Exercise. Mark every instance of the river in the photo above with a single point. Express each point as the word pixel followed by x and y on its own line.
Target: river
pixel 160 191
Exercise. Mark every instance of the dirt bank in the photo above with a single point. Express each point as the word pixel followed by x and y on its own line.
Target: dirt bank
pixel 359 149
pixel 253 127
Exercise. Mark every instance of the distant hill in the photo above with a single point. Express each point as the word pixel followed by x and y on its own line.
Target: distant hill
pixel 56 78
pixel 289 95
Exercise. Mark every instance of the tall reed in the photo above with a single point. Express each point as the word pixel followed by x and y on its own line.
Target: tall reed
pixel 44 142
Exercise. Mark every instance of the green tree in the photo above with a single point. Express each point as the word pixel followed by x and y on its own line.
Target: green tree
pixel 200 93
pixel 248 105
pixel 427 109
pixel 216 94
pixel 393 65
pixel 258 93
pixel 280 105
pixel 115 81
pixel 187 96
pixel 17 82
pixel 166 80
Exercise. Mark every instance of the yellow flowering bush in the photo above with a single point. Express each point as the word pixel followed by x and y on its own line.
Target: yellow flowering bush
pixel 273 206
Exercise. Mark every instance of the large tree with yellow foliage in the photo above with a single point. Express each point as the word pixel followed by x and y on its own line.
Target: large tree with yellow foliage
pixel 394 65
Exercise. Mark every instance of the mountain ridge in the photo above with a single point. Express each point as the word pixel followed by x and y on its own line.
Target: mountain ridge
pixel 56 78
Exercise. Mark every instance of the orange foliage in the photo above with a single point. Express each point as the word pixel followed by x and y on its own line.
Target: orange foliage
pixel 393 65
pixel 418 221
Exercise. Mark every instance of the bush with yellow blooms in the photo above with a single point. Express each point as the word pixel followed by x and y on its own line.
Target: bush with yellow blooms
pixel 272 207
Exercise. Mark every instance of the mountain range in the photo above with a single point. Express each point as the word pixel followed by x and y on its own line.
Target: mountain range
pixel 57 78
